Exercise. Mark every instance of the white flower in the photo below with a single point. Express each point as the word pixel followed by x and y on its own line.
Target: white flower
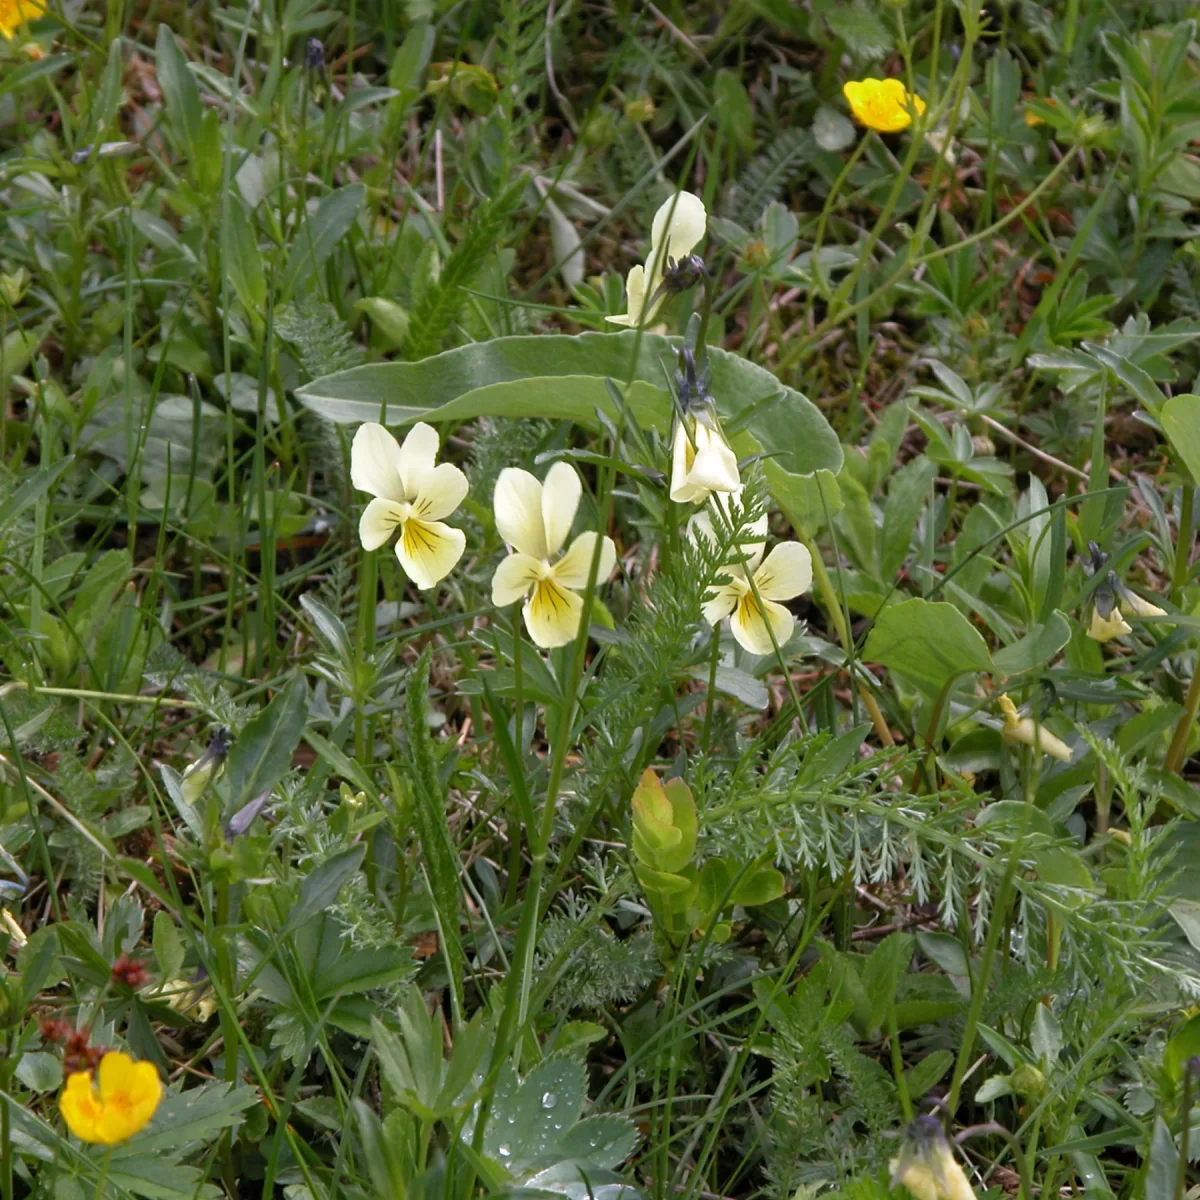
pixel 678 227
pixel 1023 730
pixel 412 495
pixel 534 519
pixel 701 463
pixel 784 574
pixel 1104 629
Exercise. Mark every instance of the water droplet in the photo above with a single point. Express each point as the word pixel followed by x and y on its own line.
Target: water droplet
pixel 505 1151
pixel 549 1099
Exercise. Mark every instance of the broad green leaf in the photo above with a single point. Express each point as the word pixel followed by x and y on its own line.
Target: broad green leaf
pixel 318 235
pixel 262 752
pixel 907 493
pixel 1162 1169
pixel 40 1071
pixel 1180 419
pixel 1038 646
pixel 927 641
pixel 190 1116
pixel 18 348
pixel 1184 1045
pixel 321 886
pixel 181 96
pixel 927 1072
pixel 168 946
pixel 759 885
pixel 563 378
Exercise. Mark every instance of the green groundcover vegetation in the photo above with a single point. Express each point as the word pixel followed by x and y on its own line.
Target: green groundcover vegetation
pixel 599 599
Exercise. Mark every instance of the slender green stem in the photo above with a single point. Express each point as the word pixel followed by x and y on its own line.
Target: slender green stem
pixel 979 984
pixel 711 702
pixel 103 1177
pixel 6 1156
pixel 1183 729
pixel 1185 1133
pixel 1183 547
pixel 898 1062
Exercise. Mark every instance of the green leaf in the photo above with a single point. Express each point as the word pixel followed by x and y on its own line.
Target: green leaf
pixel 1038 646
pixel 860 26
pixel 263 750
pixel 40 1071
pixel 168 946
pixel 907 493
pixel 882 973
pixel 320 233
pixel 1162 1170
pixel 929 642
pixel 1180 419
pixel 1183 1045
pixel 242 260
pixel 195 1115
pixel 563 378
pixel 927 1072
pixel 731 103
pixel 181 96
pixel 321 886
pixel 758 886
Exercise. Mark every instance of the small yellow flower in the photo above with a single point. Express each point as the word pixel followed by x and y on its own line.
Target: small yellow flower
pixel 1032 119
pixel 677 230
pixel 534 519
pixel 1132 605
pixel 882 104
pixel 1104 629
pixel 927 1167
pixel 1023 730
pixel 115 1108
pixel 15 13
pixel 412 495
pixel 17 938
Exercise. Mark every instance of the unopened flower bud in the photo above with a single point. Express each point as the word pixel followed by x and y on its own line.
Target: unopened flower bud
pixel 640 110
pixel 1028 1081
pixel 1024 730
pixel 14 286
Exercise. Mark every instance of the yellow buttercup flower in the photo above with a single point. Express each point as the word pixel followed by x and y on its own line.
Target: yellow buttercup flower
pixel 677 230
pixel 534 519
pixel 412 494
pixel 117 1106
pixel 15 13
pixel 882 104
pixel 1023 730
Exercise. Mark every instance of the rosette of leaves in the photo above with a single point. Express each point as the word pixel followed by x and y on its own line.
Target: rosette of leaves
pixel 537 1144
pixel 685 898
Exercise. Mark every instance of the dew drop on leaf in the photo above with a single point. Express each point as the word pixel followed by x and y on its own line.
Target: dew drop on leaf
pixel 549 1099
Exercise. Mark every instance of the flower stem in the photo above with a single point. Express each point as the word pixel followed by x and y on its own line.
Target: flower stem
pixel 1183 548
pixel 103 1179
pixel 1179 739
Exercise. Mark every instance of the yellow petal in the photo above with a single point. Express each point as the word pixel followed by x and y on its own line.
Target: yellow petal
pixel 375 462
pixel 786 572
pixel 14 12
pixel 1104 629
pixel 635 298
pixel 552 614
pixel 573 568
pixel 1132 605
pixel 1028 733
pixel 680 222
pixel 80 1106
pixel 749 625
pixel 442 490
pixel 514 577
pixel 517 503
pixel 560 501
pixel 416 457
pixel 380 519
pixel 429 550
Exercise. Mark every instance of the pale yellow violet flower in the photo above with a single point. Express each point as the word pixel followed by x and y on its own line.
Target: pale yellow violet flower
pixel 16 934
pixel 678 228
pixel 701 462
pixel 412 493
pixel 1104 629
pixel 1132 605
pixel 882 104
pixel 784 574
pixel 926 1165
pixel 1025 731
pixel 534 519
